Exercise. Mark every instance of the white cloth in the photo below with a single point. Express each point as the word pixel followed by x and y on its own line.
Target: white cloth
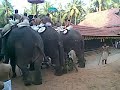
pixel 105 55
pixel 12 22
pixel 24 23
pixel 41 25
pixel 7 27
pixel 34 27
pixel 72 55
pixel 60 29
pixel 70 27
pixel 48 24
pixel 38 28
pixel 7 85
pixel 42 29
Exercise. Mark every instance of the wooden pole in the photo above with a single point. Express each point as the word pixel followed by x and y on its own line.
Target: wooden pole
pixel 36 10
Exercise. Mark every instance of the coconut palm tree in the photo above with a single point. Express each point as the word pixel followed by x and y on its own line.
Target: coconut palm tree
pixel 6 9
pixel 46 6
pixel 99 5
pixel 75 10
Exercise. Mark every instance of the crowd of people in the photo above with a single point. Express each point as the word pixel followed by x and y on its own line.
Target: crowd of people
pixel 33 20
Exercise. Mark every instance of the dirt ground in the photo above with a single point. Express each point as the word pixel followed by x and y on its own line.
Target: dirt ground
pixel 93 77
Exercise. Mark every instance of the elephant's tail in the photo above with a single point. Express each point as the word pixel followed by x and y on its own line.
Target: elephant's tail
pixel 41 53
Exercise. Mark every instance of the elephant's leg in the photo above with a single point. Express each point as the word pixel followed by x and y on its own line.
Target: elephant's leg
pixel 37 72
pixel 13 64
pixel 56 61
pixel 25 72
pixel 32 67
pixel 65 70
pixel 80 56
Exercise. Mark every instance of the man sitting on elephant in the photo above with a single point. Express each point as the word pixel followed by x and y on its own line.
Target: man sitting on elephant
pixel 5 74
pixel 8 26
pixel 24 21
pixel 47 20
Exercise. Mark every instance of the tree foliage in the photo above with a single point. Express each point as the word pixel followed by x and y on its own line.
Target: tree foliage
pixel 6 10
pixel 75 9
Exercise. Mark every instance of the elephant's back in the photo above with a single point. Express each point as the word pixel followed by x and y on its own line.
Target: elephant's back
pixel 75 34
pixel 24 35
pixel 50 34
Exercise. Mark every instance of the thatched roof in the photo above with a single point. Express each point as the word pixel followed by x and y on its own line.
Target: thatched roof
pixel 100 24
pixel 105 18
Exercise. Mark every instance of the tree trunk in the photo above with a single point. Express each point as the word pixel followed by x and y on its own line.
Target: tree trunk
pixel 100 5
pixel 6 10
pixel 36 10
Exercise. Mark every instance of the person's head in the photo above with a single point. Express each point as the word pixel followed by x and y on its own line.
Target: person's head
pixel 16 11
pixel 25 14
pixel 66 19
pixel 11 17
pixel 48 14
pixel 1 57
pixel 35 16
pixel 105 44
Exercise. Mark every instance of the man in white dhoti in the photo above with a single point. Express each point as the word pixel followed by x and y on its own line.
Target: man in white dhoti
pixel 105 53
pixel 5 74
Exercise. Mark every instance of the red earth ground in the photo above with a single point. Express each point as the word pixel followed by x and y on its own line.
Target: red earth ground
pixel 93 77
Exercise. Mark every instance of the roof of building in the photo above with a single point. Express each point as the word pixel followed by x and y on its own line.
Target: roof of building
pixel 104 23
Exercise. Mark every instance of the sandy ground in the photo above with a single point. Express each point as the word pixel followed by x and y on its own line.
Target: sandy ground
pixel 93 77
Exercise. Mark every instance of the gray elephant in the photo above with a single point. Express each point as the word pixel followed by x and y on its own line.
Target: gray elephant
pixel 53 47
pixel 72 40
pixel 24 46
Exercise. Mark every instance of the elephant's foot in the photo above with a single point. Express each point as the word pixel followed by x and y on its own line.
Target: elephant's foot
pixel 14 75
pixel 37 83
pixel 81 66
pixel 36 77
pixel 64 70
pixel 58 71
pixel 27 83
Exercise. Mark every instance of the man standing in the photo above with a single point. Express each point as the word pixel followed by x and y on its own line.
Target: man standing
pixel 105 53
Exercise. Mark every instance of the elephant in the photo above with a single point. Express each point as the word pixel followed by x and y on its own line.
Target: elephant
pixel 53 47
pixel 25 46
pixel 72 40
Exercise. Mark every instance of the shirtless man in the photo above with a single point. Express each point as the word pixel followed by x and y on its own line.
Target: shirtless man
pixel 5 74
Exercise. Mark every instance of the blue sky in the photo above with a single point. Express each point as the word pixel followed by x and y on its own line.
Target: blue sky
pixel 21 4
